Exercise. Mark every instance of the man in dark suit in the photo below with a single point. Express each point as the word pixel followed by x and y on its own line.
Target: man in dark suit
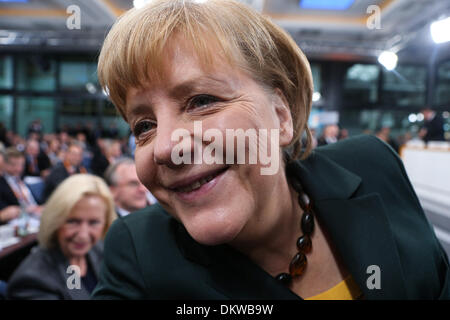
pixel 433 127
pixel 70 166
pixel 14 193
pixel 37 163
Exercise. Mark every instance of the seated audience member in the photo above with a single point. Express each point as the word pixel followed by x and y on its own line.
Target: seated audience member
pixel 100 159
pixel 37 163
pixel 70 166
pixel 75 219
pixel 128 192
pixel 54 151
pixel 329 135
pixel 14 193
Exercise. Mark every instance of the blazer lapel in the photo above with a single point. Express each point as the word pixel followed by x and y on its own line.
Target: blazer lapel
pixel 358 225
pixel 62 264
pixel 361 232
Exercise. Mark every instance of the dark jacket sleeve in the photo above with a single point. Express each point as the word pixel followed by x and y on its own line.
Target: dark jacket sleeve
pixel 120 275
pixel 442 264
pixel 7 197
pixel 32 281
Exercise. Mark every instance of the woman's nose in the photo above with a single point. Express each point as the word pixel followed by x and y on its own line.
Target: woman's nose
pixel 83 231
pixel 172 141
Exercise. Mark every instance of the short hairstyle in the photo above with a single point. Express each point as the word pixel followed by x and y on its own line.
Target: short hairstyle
pixel 134 49
pixel 110 172
pixel 63 199
pixel 12 153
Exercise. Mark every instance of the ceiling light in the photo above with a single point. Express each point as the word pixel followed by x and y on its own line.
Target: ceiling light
pixel 316 96
pixel 388 59
pixel 420 117
pixel 326 4
pixel 412 118
pixel 440 30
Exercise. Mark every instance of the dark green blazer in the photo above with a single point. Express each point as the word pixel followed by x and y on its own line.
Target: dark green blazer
pixel 362 196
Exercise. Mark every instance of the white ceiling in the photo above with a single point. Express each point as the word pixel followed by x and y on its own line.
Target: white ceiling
pixel 320 33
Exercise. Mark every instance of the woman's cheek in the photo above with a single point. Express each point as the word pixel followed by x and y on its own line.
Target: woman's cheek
pixel 144 166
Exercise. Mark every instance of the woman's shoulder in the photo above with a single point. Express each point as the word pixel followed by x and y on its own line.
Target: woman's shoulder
pixel 37 259
pixel 358 147
pixel 152 218
pixel 33 273
pixel 148 227
pixel 361 154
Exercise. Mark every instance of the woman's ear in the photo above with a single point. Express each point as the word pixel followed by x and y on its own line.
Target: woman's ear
pixel 284 117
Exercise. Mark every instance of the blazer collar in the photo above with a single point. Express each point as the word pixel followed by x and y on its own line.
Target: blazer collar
pixel 322 178
pixel 358 226
pixel 62 264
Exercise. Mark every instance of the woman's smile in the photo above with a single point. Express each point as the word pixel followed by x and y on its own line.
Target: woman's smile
pixel 195 188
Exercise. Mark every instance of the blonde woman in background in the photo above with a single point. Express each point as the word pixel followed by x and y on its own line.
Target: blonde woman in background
pixel 74 221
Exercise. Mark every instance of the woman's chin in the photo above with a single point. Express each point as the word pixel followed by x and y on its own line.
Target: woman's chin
pixel 214 234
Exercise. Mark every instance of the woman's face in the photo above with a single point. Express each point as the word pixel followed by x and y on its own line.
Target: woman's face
pixel 83 228
pixel 217 203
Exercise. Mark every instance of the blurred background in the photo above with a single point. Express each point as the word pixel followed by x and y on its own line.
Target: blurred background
pixel 380 67
pixel 48 71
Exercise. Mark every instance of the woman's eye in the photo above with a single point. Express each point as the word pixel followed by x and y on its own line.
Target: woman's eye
pixel 93 223
pixel 201 101
pixel 142 127
pixel 72 221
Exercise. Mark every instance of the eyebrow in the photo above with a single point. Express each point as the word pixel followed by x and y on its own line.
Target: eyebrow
pixel 183 89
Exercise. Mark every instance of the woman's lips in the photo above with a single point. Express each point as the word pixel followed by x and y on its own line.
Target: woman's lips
pixel 79 245
pixel 188 195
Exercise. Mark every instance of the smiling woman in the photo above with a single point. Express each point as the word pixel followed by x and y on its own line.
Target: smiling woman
pixel 74 221
pixel 223 229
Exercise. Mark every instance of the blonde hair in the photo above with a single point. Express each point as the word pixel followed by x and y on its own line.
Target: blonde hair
pixel 64 198
pixel 134 49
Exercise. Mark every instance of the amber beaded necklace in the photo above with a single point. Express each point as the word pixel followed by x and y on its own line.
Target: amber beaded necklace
pixel 304 244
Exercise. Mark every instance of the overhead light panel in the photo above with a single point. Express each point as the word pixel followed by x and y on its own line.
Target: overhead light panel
pixel 316 96
pixel 440 30
pixel 388 59
pixel 326 4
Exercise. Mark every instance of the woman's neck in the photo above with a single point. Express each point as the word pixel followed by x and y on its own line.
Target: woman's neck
pixel 81 262
pixel 273 245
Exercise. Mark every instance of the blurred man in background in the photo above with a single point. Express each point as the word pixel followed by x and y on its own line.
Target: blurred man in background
pixel 384 133
pixel 37 163
pixel 128 192
pixel 329 135
pixel 14 193
pixel 70 166
pixel 433 127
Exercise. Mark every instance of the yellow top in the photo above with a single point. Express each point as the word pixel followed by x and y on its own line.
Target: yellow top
pixel 347 289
